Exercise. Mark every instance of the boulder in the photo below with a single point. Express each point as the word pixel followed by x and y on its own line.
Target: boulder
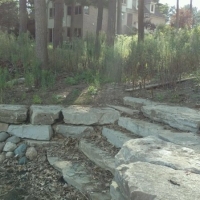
pixel 182 118
pixel 44 115
pixel 20 150
pixel 22 161
pixel 2 144
pixel 125 110
pixel 13 139
pixel 9 154
pixel 2 157
pixel 74 131
pixel 37 132
pixel 31 153
pixel 115 192
pixel 146 181
pixel 79 115
pixel 3 136
pixel 9 146
pixel 156 151
pixel 13 114
pixel 3 127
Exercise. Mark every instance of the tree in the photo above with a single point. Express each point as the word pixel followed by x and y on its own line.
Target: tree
pixel 58 23
pixel 177 14
pixel 140 20
pixel 119 16
pixel 41 31
pixel 23 17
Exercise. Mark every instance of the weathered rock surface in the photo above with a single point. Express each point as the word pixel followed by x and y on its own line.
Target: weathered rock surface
pixel 13 114
pixel 144 129
pixel 116 138
pixel 20 150
pixel 156 151
pixel 31 153
pixel 3 127
pixel 145 181
pixel 9 154
pixel 88 116
pixel 137 103
pixel 22 161
pixel 182 118
pixel 37 132
pixel 124 110
pixel 74 131
pixel 44 115
pixel 33 143
pixel 115 192
pixel 2 144
pixel 9 146
pixel 98 156
pixel 3 136
pixel 14 139
pixel 2 157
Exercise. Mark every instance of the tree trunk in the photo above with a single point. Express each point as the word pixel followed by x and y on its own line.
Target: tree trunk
pixel 58 23
pixel 23 17
pixel 41 31
pixel 72 19
pixel 119 17
pixel 140 20
pixel 99 17
pixel 111 22
pixel 177 14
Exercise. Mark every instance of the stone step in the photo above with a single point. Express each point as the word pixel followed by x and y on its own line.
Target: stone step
pixel 125 110
pixel 101 158
pixel 182 118
pixel 77 175
pixel 117 138
pixel 144 129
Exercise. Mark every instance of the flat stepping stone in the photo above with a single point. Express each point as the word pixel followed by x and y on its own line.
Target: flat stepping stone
pixel 101 158
pixel 73 131
pixel 13 114
pixel 79 115
pixel 182 118
pixel 39 142
pixel 36 132
pixel 144 129
pixel 137 103
pixel 116 138
pixel 44 115
pixel 125 110
pixel 145 181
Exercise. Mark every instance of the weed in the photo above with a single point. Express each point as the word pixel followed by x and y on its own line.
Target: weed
pixel 37 99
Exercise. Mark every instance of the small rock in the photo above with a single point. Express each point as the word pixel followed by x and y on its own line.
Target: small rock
pixel 9 154
pixel 23 161
pixel 3 136
pixel 31 153
pixel 2 157
pixel 9 146
pixel 13 139
pixel 21 150
pixel 2 144
pixel 3 127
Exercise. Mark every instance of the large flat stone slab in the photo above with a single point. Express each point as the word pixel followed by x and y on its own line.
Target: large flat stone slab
pixel 125 110
pixel 74 131
pixel 13 114
pixel 156 151
pixel 137 103
pixel 44 115
pixel 182 118
pixel 145 181
pixel 144 129
pixel 79 115
pixel 101 158
pixel 36 132
pixel 116 138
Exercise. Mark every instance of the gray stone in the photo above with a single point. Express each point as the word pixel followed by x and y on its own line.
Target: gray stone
pixel 22 161
pixel 157 151
pixel 13 114
pixel 125 110
pixel 13 139
pixel 74 131
pixel 2 157
pixel 3 127
pixel 44 115
pixel 9 146
pixel 182 118
pixel 3 136
pixel 115 192
pixel 116 138
pixel 145 181
pixel 31 153
pixel 137 103
pixel 78 115
pixel 9 154
pixel 20 150
pixel 33 143
pixel 101 158
pixel 37 132
pixel 2 144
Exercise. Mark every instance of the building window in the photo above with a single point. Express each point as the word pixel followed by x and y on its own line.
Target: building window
pixel 51 13
pixel 124 1
pixel 152 8
pixel 77 32
pixel 69 10
pixel 78 10
pixel 136 4
pixel 86 10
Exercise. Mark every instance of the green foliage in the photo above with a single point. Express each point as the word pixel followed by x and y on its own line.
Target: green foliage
pixel 37 99
pixel 4 75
